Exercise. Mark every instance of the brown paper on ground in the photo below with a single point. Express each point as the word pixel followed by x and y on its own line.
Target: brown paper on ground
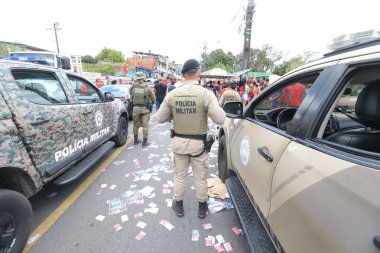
pixel 216 188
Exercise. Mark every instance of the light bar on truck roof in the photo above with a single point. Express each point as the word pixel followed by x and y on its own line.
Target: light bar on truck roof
pixel 348 39
pixel 31 59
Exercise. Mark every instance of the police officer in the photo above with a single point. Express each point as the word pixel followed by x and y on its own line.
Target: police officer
pixel 142 98
pixel 230 95
pixel 189 105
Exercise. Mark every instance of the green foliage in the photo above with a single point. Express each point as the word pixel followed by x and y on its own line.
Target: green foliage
pixel 262 59
pixel 292 63
pixel 89 59
pixel 110 55
pixel 218 59
pixel 106 69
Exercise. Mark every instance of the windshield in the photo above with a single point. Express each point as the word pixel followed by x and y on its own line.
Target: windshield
pixel 117 91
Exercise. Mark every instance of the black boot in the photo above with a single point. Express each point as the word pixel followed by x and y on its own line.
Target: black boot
pixel 145 143
pixel 202 210
pixel 178 208
pixel 137 141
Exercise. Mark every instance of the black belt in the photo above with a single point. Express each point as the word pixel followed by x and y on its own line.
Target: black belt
pixel 200 137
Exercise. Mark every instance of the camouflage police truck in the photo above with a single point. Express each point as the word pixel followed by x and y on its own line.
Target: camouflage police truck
pixel 54 125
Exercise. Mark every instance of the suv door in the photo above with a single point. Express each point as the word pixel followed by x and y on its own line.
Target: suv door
pixel 95 115
pixel 46 117
pixel 257 141
pixel 325 190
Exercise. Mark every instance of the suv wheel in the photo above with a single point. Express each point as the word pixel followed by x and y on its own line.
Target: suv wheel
pixel 222 158
pixel 122 132
pixel 15 221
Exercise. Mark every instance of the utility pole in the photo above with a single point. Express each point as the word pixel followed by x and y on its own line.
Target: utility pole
pixel 247 34
pixel 204 54
pixel 55 28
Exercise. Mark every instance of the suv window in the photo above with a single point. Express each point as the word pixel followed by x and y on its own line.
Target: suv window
pixel 353 120
pixel 85 92
pixel 279 106
pixel 40 87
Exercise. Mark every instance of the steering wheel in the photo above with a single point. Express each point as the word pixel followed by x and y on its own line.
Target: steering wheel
pixel 284 117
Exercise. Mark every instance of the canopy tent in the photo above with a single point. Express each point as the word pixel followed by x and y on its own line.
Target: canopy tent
pixel 262 75
pixel 242 72
pixel 258 74
pixel 216 73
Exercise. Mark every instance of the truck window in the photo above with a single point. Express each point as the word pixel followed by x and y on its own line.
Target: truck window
pixel 85 92
pixel 40 87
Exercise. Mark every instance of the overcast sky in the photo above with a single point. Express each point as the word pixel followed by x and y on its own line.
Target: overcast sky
pixel 177 28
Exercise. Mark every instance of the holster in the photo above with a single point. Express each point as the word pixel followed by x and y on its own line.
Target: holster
pixel 210 139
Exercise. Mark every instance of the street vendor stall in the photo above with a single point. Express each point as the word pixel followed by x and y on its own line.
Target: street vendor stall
pixel 216 73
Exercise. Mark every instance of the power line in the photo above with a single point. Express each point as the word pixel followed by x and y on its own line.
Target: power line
pixel 55 28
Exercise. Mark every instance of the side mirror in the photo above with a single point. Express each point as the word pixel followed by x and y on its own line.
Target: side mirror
pixel 109 97
pixel 234 109
pixel 65 62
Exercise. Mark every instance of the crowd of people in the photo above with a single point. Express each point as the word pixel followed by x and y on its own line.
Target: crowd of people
pixel 247 90
pixel 99 82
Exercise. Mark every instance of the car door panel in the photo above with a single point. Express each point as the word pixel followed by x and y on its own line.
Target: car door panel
pixel 46 129
pixel 316 197
pixel 256 171
pixel 96 117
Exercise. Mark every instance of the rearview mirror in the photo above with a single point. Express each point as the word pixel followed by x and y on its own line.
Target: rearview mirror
pixel 234 109
pixel 109 97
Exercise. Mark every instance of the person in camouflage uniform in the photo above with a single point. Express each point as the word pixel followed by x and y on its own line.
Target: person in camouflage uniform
pixel 142 97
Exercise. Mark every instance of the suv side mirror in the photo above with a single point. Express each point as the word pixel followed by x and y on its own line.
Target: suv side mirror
pixel 65 62
pixel 109 97
pixel 234 109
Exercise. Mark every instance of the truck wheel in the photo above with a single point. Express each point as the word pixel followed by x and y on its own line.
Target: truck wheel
pixel 222 158
pixel 122 132
pixel 15 221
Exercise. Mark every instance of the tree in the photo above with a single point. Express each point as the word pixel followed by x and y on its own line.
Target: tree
pixel 293 63
pixel 264 59
pixel 110 55
pixel 89 59
pixel 218 59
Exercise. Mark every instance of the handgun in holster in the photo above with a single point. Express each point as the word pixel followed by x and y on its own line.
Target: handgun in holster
pixel 209 140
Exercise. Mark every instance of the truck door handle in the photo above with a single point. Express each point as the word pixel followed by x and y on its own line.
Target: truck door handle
pixel 376 241
pixel 264 153
pixel 39 121
pixel 86 113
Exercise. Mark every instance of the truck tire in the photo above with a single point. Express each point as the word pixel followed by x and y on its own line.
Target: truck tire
pixel 15 221
pixel 122 132
pixel 222 159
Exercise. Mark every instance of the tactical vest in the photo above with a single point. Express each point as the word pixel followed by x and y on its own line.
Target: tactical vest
pixel 229 96
pixel 139 96
pixel 188 110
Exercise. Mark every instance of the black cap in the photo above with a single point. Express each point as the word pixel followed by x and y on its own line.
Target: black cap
pixel 190 64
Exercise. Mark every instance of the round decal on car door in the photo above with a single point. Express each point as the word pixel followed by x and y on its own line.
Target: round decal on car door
pixel 244 150
pixel 98 118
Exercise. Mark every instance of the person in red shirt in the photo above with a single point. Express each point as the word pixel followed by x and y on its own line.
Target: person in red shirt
pixel 296 94
pixel 98 83
pixel 83 89
pixel 224 89
pixel 167 81
pixel 284 98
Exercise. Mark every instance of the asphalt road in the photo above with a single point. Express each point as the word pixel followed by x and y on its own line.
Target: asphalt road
pixel 67 218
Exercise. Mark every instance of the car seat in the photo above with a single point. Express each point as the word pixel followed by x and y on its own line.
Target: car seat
pixel 367 110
